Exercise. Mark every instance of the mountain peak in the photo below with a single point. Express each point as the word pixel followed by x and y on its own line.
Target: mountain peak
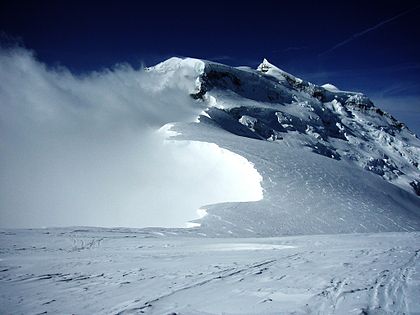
pixel 327 157
pixel 337 124
pixel 271 70
pixel 265 66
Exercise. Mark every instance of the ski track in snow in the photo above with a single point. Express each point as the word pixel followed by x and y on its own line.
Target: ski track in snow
pixel 155 271
pixel 389 292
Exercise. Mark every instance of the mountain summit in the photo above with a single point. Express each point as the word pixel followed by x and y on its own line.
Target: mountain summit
pixel 331 161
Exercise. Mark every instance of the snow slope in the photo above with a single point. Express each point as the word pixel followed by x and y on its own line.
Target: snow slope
pixel 330 160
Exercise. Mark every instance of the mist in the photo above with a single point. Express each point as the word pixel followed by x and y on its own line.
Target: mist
pixel 83 149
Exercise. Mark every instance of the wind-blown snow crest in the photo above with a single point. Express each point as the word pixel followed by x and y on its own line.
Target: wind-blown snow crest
pixel 238 180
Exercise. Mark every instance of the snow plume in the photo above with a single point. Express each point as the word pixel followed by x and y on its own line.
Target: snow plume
pixel 82 150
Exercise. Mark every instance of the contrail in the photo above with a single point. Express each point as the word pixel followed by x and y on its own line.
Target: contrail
pixel 370 29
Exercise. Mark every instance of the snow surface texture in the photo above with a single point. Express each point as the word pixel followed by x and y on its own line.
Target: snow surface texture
pixel 117 271
pixel 331 161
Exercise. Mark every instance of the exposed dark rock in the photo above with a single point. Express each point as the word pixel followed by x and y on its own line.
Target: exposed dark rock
pixel 416 186
pixel 321 149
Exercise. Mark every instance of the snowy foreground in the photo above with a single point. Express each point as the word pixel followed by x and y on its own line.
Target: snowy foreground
pixel 122 271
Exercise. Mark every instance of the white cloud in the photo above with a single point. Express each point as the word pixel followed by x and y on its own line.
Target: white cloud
pixel 81 150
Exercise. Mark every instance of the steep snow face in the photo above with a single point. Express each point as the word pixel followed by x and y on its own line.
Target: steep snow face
pixel 331 161
pixel 221 176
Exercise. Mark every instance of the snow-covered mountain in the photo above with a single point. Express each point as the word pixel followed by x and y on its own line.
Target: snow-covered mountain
pixel 330 160
pixel 324 161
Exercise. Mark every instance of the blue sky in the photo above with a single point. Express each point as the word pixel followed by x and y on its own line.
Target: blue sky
pixel 365 46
